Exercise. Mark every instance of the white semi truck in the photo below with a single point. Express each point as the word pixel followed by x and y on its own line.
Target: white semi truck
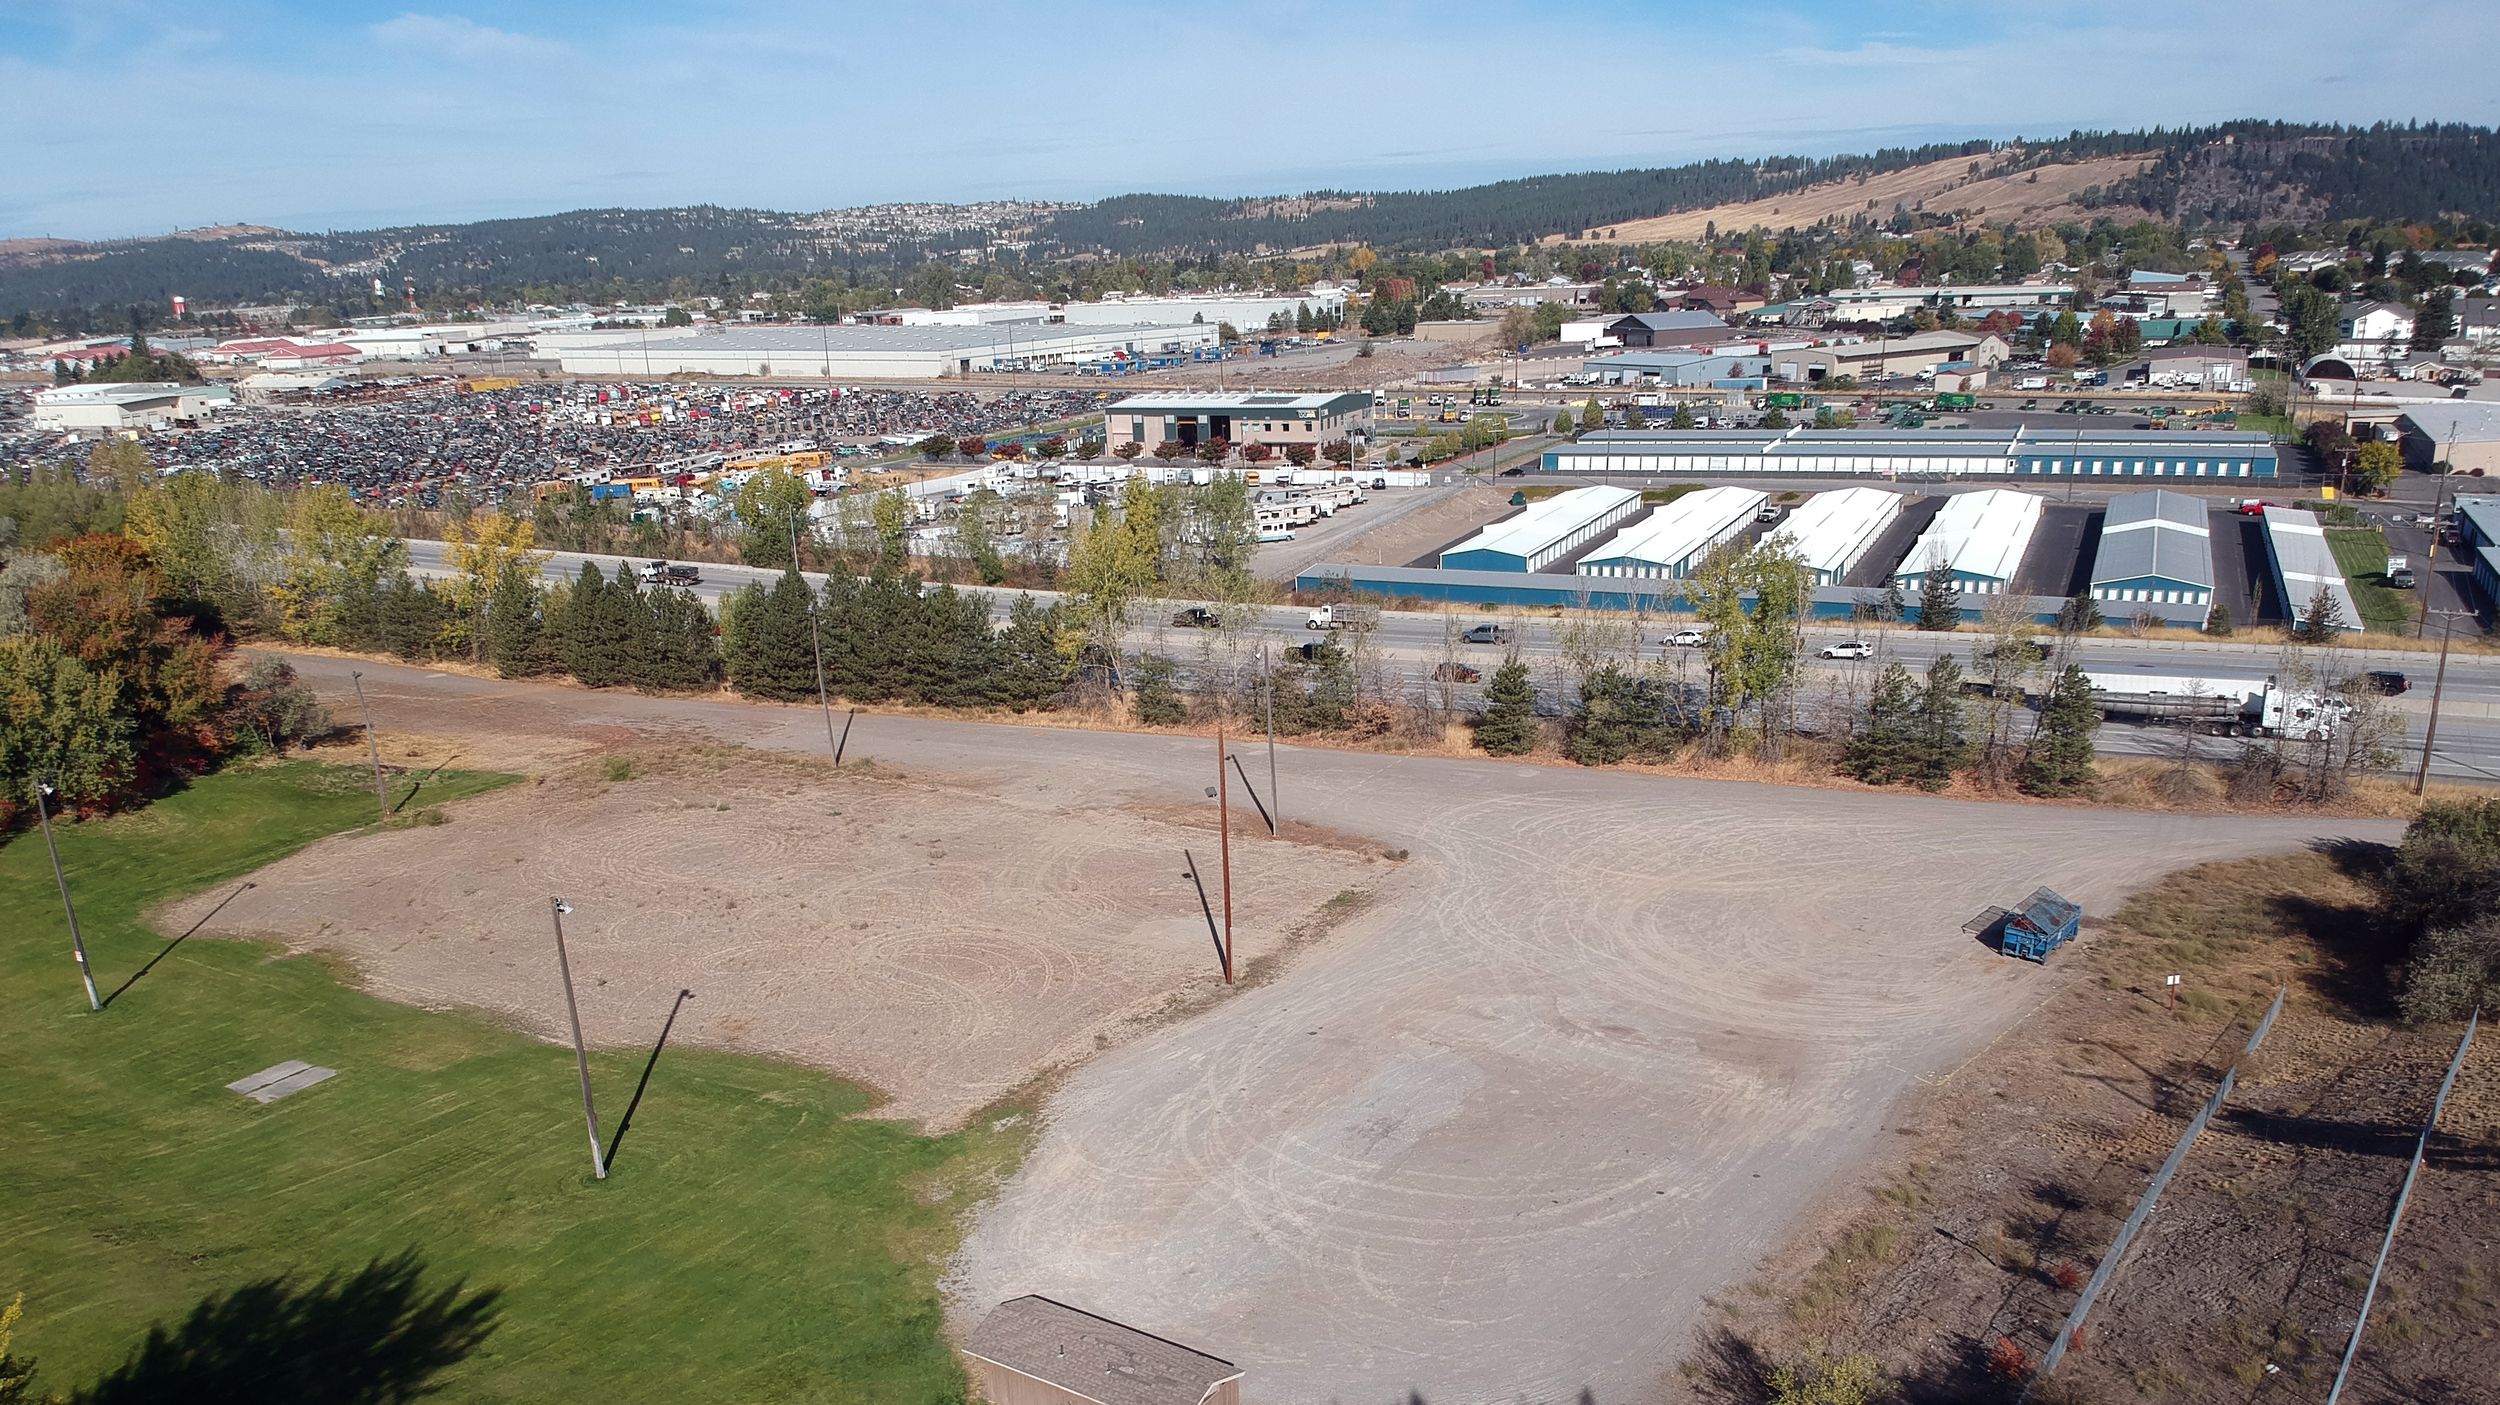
pixel 2225 706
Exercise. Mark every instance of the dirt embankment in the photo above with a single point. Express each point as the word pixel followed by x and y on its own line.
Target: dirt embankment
pixel 2040 195
pixel 1953 1263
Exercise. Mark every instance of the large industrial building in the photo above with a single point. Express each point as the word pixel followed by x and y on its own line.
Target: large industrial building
pixel 1978 538
pixel 865 353
pixel 1276 418
pixel 1544 531
pixel 2303 565
pixel 1669 542
pixel 2463 434
pixel 111 406
pixel 1831 532
pixel 1248 312
pixel 1922 453
pixel 2156 549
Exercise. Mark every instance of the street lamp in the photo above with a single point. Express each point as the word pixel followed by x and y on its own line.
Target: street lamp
pixel 557 908
pixel 77 944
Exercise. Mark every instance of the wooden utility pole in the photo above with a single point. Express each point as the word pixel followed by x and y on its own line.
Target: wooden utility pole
pixel 373 753
pixel 1224 831
pixel 2430 729
pixel 557 907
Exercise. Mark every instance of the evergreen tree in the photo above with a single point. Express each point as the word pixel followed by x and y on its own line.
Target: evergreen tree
pixel 1891 605
pixel 766 641
pixel 1614 720
pixel 1879 753
pixel 2218 620
pixel 1562 420
pixel 409 619
pixel 2081 614
pixel 515 634
pixel 1155 701
pixel 1773 418
pixel 1939 600
pixel 1683 417
pixel 681 654
pixel 1031 669
pixel 2060 759
pixel 1592 415
pixel 602 628
pixel 1940 734
pixel 1509 726
pixel 2321 621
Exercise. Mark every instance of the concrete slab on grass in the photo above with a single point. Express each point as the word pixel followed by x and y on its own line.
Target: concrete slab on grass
pixel 280 1080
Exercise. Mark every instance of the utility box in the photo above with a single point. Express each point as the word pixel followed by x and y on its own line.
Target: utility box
pixel 2041 924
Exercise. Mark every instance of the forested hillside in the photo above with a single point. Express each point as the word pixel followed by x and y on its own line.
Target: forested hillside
pixel 2233 174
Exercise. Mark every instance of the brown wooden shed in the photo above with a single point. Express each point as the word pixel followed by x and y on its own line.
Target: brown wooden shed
pixel 1033 1351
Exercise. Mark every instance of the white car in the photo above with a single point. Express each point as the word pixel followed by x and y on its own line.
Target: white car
pixel 1688 639
pixel 1849 649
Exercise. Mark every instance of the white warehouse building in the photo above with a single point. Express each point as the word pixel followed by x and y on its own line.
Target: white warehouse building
pixel 1833 531
pixel 1543 532
pixel 863 353
pixel 108 405
pixel 1668 543
pixel 1979 538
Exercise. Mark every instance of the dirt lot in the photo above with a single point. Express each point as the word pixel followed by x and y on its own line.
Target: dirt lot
pixel 1958 1255
pixel 1941 185
pixel 1580 1065
pixel 940 940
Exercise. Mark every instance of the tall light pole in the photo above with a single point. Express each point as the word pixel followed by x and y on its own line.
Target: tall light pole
pixel 77 944
pixel 556 908
pixel 373 753
pixel 1224 830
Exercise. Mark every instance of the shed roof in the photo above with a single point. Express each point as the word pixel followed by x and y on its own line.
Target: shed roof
pixel 1830 529
pixel 2306 563
pixel 1094 1357
pixel 2448 422
pixel 1672 320
pixel 2159 533
pixel 1679 528
pixel 1981 534
pixel 1547 521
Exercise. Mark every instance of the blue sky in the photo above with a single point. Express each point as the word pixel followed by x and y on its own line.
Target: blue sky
pixel 139 116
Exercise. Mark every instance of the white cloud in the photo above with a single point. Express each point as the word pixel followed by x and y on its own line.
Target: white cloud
pixel 463 40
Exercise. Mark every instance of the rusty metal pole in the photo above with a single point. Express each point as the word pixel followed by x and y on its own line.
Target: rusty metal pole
pixel 1275 802
pixel 77 943
pixel 557 907
pixel 1224 829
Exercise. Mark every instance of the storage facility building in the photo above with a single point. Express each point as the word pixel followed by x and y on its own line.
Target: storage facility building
pixel 2156 548
pixel 1832 531
pixel 1921 453
pixel 1669 542
pixel 2478 536
pixel 2303 565
pixel 1543 532
pixel 1034 1351
pixel 1978 537
pixel 864 353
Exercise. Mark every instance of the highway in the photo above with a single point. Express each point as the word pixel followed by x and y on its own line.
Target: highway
pixel 2469 721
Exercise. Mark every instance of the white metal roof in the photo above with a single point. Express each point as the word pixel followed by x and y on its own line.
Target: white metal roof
pixel 2157 533
pixel 1981 534
pixel 1831 530
pixel 1680 528
pixel 1546 521
pixel 2305 562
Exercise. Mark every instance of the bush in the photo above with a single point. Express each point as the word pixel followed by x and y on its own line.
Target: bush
pixel 273 711
pixel 1156 701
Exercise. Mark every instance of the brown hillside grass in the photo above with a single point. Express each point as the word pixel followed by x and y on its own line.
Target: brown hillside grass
pixel 1939 185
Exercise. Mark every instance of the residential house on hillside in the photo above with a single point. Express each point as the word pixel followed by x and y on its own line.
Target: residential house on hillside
pixel 2374 335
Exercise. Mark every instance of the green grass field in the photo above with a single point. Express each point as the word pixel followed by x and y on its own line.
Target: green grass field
pixel 756 1241
pixel 2362 553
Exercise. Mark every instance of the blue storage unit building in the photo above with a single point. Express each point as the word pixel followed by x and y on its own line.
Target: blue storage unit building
pixel 1922 453
pixel 2156 548
pixel 1544 531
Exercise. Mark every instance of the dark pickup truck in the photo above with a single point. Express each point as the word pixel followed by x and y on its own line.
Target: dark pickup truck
pixel 1197 617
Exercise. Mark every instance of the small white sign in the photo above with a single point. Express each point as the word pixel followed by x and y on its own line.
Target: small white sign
pixel 2170 980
